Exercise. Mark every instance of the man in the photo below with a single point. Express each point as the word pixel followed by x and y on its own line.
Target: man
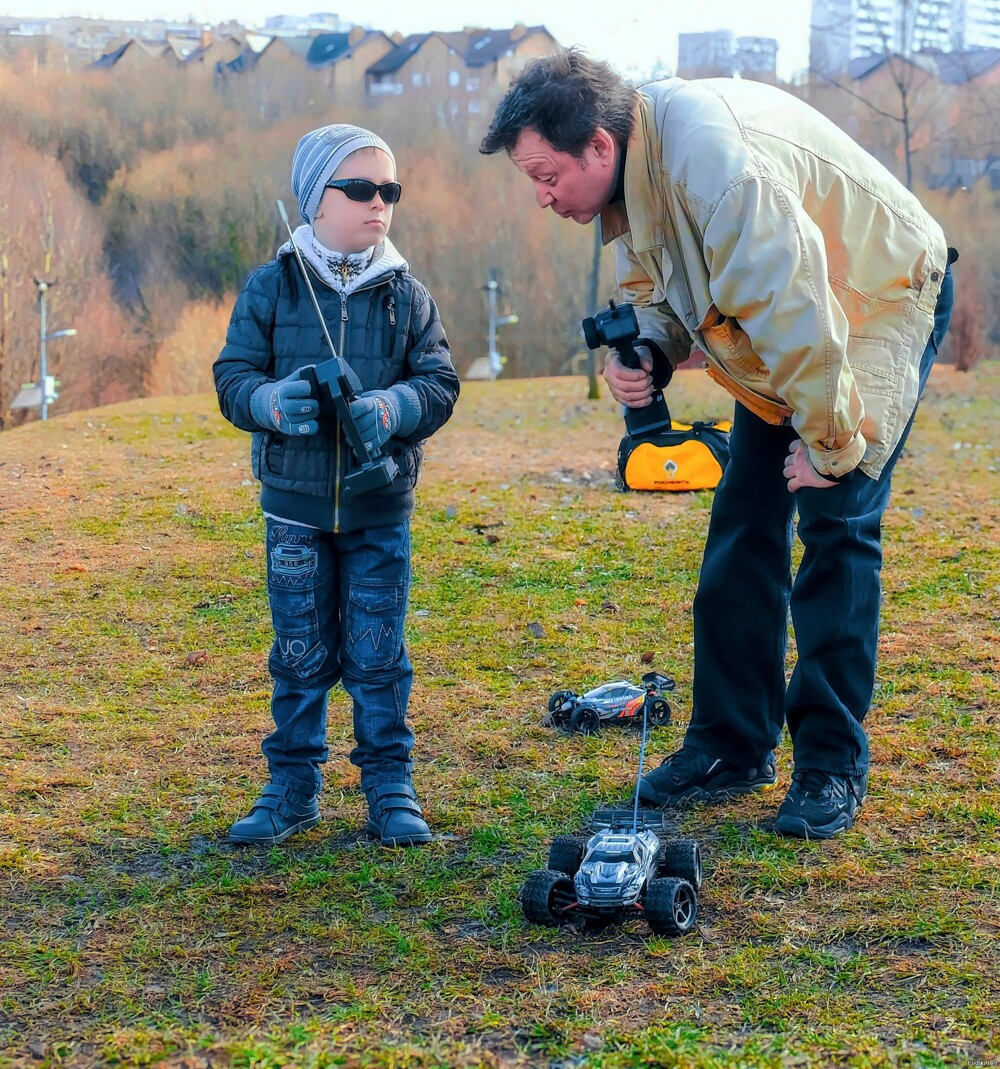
pixel 819 290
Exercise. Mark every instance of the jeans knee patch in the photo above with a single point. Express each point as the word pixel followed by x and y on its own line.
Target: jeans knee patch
pixel 291 589
pixel 374 624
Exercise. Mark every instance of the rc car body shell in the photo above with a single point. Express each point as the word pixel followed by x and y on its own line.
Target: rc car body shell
pixel 615 869
pixel 611 703
pixel 624 868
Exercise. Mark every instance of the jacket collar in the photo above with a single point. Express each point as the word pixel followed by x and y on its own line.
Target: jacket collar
pixel 382 268
pixel 641 212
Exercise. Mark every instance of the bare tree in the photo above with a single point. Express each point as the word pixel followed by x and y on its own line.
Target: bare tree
pixel 906 76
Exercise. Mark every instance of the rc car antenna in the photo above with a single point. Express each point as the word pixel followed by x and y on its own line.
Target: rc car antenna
pixel 305 276
pixel 642 757
pixel 342 386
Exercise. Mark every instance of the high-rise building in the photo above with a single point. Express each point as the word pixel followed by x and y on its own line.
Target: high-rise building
pixel 705 54
pixel 843 30
pixel 975 24
pixel 720 53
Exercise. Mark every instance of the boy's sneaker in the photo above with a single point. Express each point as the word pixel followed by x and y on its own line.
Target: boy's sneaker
pixel 277 813
pixel 695 776
pixel 820 805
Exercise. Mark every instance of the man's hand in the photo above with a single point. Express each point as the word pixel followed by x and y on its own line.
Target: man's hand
pixel 285 406
pixel 799 470
pixel 632 387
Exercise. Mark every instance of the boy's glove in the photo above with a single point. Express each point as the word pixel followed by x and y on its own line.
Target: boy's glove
pixel 285 406
pixel 380 414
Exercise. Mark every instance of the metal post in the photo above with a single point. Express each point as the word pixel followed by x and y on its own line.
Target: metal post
pixel 43 356
pixel 595 270
pixel 491 291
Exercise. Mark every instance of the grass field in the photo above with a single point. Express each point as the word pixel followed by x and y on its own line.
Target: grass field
pixel 134 695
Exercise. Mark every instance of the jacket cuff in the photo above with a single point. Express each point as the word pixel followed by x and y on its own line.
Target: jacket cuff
pixel 410 409
pixel 663 370
pixel 260 406
pixel 838 463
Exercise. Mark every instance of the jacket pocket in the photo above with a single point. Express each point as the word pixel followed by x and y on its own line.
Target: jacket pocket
pixel 869 361
pixel 272 455
pixel 730 345
pixel 256 448
pixel 267 454
pixel 408 459
pixel 878 385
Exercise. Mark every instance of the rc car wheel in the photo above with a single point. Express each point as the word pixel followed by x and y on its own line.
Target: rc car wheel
pixel 546 897
pixel 671 906
pixel 682 858
pixel 566 853
pixel 560 698
pixel 558 715
pixel 659 711
pixel 587 720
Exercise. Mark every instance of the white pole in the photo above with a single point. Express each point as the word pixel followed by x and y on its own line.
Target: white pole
pixel 43 356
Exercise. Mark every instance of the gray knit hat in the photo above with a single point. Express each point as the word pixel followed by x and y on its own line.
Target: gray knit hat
pixel 318 156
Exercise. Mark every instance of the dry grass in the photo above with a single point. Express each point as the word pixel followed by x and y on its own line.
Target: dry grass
pixel 134 698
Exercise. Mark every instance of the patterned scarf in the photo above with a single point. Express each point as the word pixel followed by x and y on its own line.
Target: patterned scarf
pixel 341 271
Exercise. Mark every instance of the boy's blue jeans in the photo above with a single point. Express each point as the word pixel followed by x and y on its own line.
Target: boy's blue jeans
pixel 338 602
pixel 746 589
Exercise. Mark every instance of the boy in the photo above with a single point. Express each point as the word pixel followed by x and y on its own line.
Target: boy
pixel 338 567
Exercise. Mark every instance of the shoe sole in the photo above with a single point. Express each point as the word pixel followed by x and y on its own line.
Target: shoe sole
pixel 273 840
pixel 402 840
pixel 703 794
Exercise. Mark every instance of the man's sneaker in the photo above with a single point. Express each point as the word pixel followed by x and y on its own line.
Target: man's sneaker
pixel 820 805
pixel 277 813
pixel 695 776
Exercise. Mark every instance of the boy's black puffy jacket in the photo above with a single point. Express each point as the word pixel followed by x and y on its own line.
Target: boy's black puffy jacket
pixel 388 331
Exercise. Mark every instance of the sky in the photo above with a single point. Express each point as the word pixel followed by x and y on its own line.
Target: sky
pixel 629 40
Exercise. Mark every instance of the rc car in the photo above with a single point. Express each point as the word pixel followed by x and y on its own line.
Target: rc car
pixel 620 703
pixel 626 867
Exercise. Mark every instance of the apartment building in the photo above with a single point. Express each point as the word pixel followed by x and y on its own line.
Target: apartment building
pixel 720 53
pixel 845 30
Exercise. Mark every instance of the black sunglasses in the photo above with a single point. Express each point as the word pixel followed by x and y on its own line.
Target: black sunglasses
pixel 361 190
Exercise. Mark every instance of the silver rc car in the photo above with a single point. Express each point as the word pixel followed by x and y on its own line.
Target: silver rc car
pixel 620 703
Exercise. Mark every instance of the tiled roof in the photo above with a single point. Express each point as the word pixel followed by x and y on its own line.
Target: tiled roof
pixel 862 66
pixel 476 47
pixel 109 59
pixel 957 68
pixel 326 48
pixel 392 61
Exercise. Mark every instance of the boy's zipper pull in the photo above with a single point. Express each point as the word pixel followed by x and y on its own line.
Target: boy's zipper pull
pixel 392 310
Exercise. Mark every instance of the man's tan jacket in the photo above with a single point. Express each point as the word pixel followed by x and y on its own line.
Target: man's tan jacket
pixel 806 272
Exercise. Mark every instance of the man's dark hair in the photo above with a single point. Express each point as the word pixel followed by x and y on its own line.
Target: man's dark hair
pixel 564 98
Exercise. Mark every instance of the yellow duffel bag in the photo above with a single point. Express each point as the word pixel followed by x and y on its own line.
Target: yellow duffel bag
pixel 687 457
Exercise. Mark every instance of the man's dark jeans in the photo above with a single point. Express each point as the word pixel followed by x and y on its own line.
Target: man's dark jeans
pixel 746 589
pixel 337 605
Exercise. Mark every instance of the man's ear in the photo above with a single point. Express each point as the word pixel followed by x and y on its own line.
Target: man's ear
pixel 603 144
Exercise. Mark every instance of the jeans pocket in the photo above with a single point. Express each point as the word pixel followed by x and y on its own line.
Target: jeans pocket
pixel 291 589
pixel 374 624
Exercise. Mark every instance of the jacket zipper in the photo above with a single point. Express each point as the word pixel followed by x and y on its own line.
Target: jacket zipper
pixel 340 352
pixel 336 480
